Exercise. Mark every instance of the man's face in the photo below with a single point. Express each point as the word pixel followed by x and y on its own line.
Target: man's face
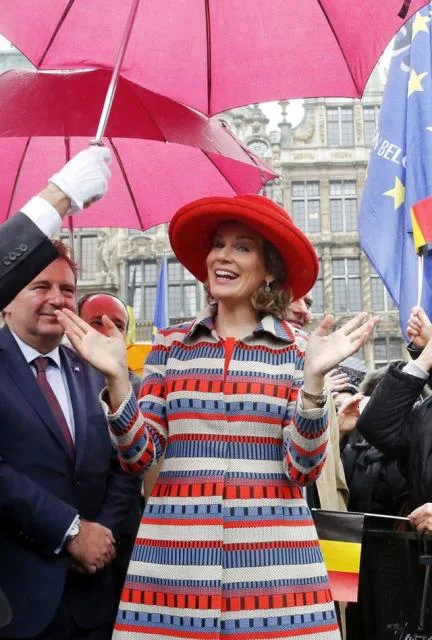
pixel 300 311
pixel 31 315
pixel 94 307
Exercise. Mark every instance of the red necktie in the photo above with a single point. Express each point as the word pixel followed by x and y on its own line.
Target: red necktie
pixel 41 363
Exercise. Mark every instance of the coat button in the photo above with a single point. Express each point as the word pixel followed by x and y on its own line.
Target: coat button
pixel 12 256
pixel 6 262
pixel 23 247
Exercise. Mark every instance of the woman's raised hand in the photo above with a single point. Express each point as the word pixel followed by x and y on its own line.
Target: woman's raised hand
pixel 326 349
pixel 106 353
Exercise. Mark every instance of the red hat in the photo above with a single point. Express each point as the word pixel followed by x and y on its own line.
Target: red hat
pixel 192 229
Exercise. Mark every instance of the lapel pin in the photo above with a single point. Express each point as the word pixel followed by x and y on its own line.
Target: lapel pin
pixel 76 368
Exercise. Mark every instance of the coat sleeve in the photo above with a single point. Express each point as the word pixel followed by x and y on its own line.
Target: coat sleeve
pixel 34 515
pixel 24 252
pixel 120 498
pixel 305 431
pixel 386 421
pixel 139 428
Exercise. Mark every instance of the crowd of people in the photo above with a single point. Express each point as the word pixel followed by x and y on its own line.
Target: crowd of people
pixel 243 422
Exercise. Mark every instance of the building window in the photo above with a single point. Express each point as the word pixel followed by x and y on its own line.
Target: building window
pixel 346 285
pixel 370 122
pixel 142 278
pixel 86 254
pixel 318 293
pixel 343 205
pixel 306 206
pixel 340 127
pixel 183 293
pixel 387 350
pixel 380 299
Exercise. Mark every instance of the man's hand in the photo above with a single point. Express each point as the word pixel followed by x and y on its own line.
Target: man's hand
pixel 92 549
pixel 348 414
pixel 83 180
pixel 421 518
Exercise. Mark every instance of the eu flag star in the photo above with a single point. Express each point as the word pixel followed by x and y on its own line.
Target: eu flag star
pixel 397 193
pixel 420 24
pixel 415 82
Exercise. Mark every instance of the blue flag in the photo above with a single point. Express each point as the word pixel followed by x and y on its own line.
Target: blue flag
pixel 160 320
pixel 400 168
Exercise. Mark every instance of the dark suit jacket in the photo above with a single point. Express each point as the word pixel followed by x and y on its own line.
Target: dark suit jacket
pixel 42 489
pixel 24 252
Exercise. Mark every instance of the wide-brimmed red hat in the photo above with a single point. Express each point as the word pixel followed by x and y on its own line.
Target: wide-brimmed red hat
pixel 193 226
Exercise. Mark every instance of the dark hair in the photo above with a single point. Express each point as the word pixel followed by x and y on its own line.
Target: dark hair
pixel 86 296
pixel 64 253
pixel 372 379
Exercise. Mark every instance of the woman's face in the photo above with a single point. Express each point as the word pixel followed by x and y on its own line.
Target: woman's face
pixel 235 264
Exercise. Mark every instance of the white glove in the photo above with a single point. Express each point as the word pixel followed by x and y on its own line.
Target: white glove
pixel 84 179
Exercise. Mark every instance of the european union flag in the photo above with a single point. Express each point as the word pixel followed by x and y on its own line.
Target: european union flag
pixel 160 320
pixel 400 168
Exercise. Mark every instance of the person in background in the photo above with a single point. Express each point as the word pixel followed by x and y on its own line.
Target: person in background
pixel 330 490
pixel 227 545
pixel 93 306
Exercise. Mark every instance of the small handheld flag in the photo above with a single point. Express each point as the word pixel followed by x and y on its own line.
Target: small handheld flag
pixel 340 535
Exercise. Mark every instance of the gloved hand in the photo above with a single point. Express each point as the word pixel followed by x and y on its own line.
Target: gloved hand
pixel 84 179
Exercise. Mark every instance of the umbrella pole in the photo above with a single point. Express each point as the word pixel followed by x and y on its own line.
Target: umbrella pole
pixel 69 218
pixel 115 74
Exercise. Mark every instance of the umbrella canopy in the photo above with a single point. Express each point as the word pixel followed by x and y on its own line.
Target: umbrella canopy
pixel 164 154
pixel 214 54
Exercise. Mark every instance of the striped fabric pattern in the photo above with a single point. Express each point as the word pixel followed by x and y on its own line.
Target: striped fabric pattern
pixel 226 547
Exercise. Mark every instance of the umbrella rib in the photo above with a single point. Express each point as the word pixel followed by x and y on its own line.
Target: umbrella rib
pixel 17 176
pixel 220 172
pixel 359 91
pixel 127 183
pixel 56 30
pixel 209 61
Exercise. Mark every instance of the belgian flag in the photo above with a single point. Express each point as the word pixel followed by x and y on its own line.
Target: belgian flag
pixel 421 219
pixel 340 536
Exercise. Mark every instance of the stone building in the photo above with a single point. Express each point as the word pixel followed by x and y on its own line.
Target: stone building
pixel 322 165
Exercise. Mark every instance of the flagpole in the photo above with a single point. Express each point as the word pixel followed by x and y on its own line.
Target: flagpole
pixel 420 268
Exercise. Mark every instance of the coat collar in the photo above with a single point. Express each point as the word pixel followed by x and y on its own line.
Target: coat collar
pixel 204 325
pixel 16 365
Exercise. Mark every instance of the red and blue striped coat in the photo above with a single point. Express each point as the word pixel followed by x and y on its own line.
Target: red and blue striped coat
pixel 226 547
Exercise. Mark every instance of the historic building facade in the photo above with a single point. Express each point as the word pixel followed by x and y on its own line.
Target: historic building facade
pixel 322 166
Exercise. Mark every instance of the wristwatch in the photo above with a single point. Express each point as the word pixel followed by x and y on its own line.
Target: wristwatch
pixel 74 530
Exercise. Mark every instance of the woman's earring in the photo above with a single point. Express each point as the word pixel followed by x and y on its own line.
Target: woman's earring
pixel 267 286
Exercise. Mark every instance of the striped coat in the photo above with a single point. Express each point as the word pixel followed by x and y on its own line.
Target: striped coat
pixel 226 547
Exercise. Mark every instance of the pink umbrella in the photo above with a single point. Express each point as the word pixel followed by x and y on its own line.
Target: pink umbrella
pixel 214 54
pixel 164 154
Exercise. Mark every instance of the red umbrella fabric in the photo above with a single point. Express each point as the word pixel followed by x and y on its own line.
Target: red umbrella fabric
pixel 214 54
pixel 164 154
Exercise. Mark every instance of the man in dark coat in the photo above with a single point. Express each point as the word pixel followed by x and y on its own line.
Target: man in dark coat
pixel 25 246
pixel 63 497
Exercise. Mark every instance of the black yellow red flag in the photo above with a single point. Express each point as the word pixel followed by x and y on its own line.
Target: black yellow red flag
pixel 340 536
